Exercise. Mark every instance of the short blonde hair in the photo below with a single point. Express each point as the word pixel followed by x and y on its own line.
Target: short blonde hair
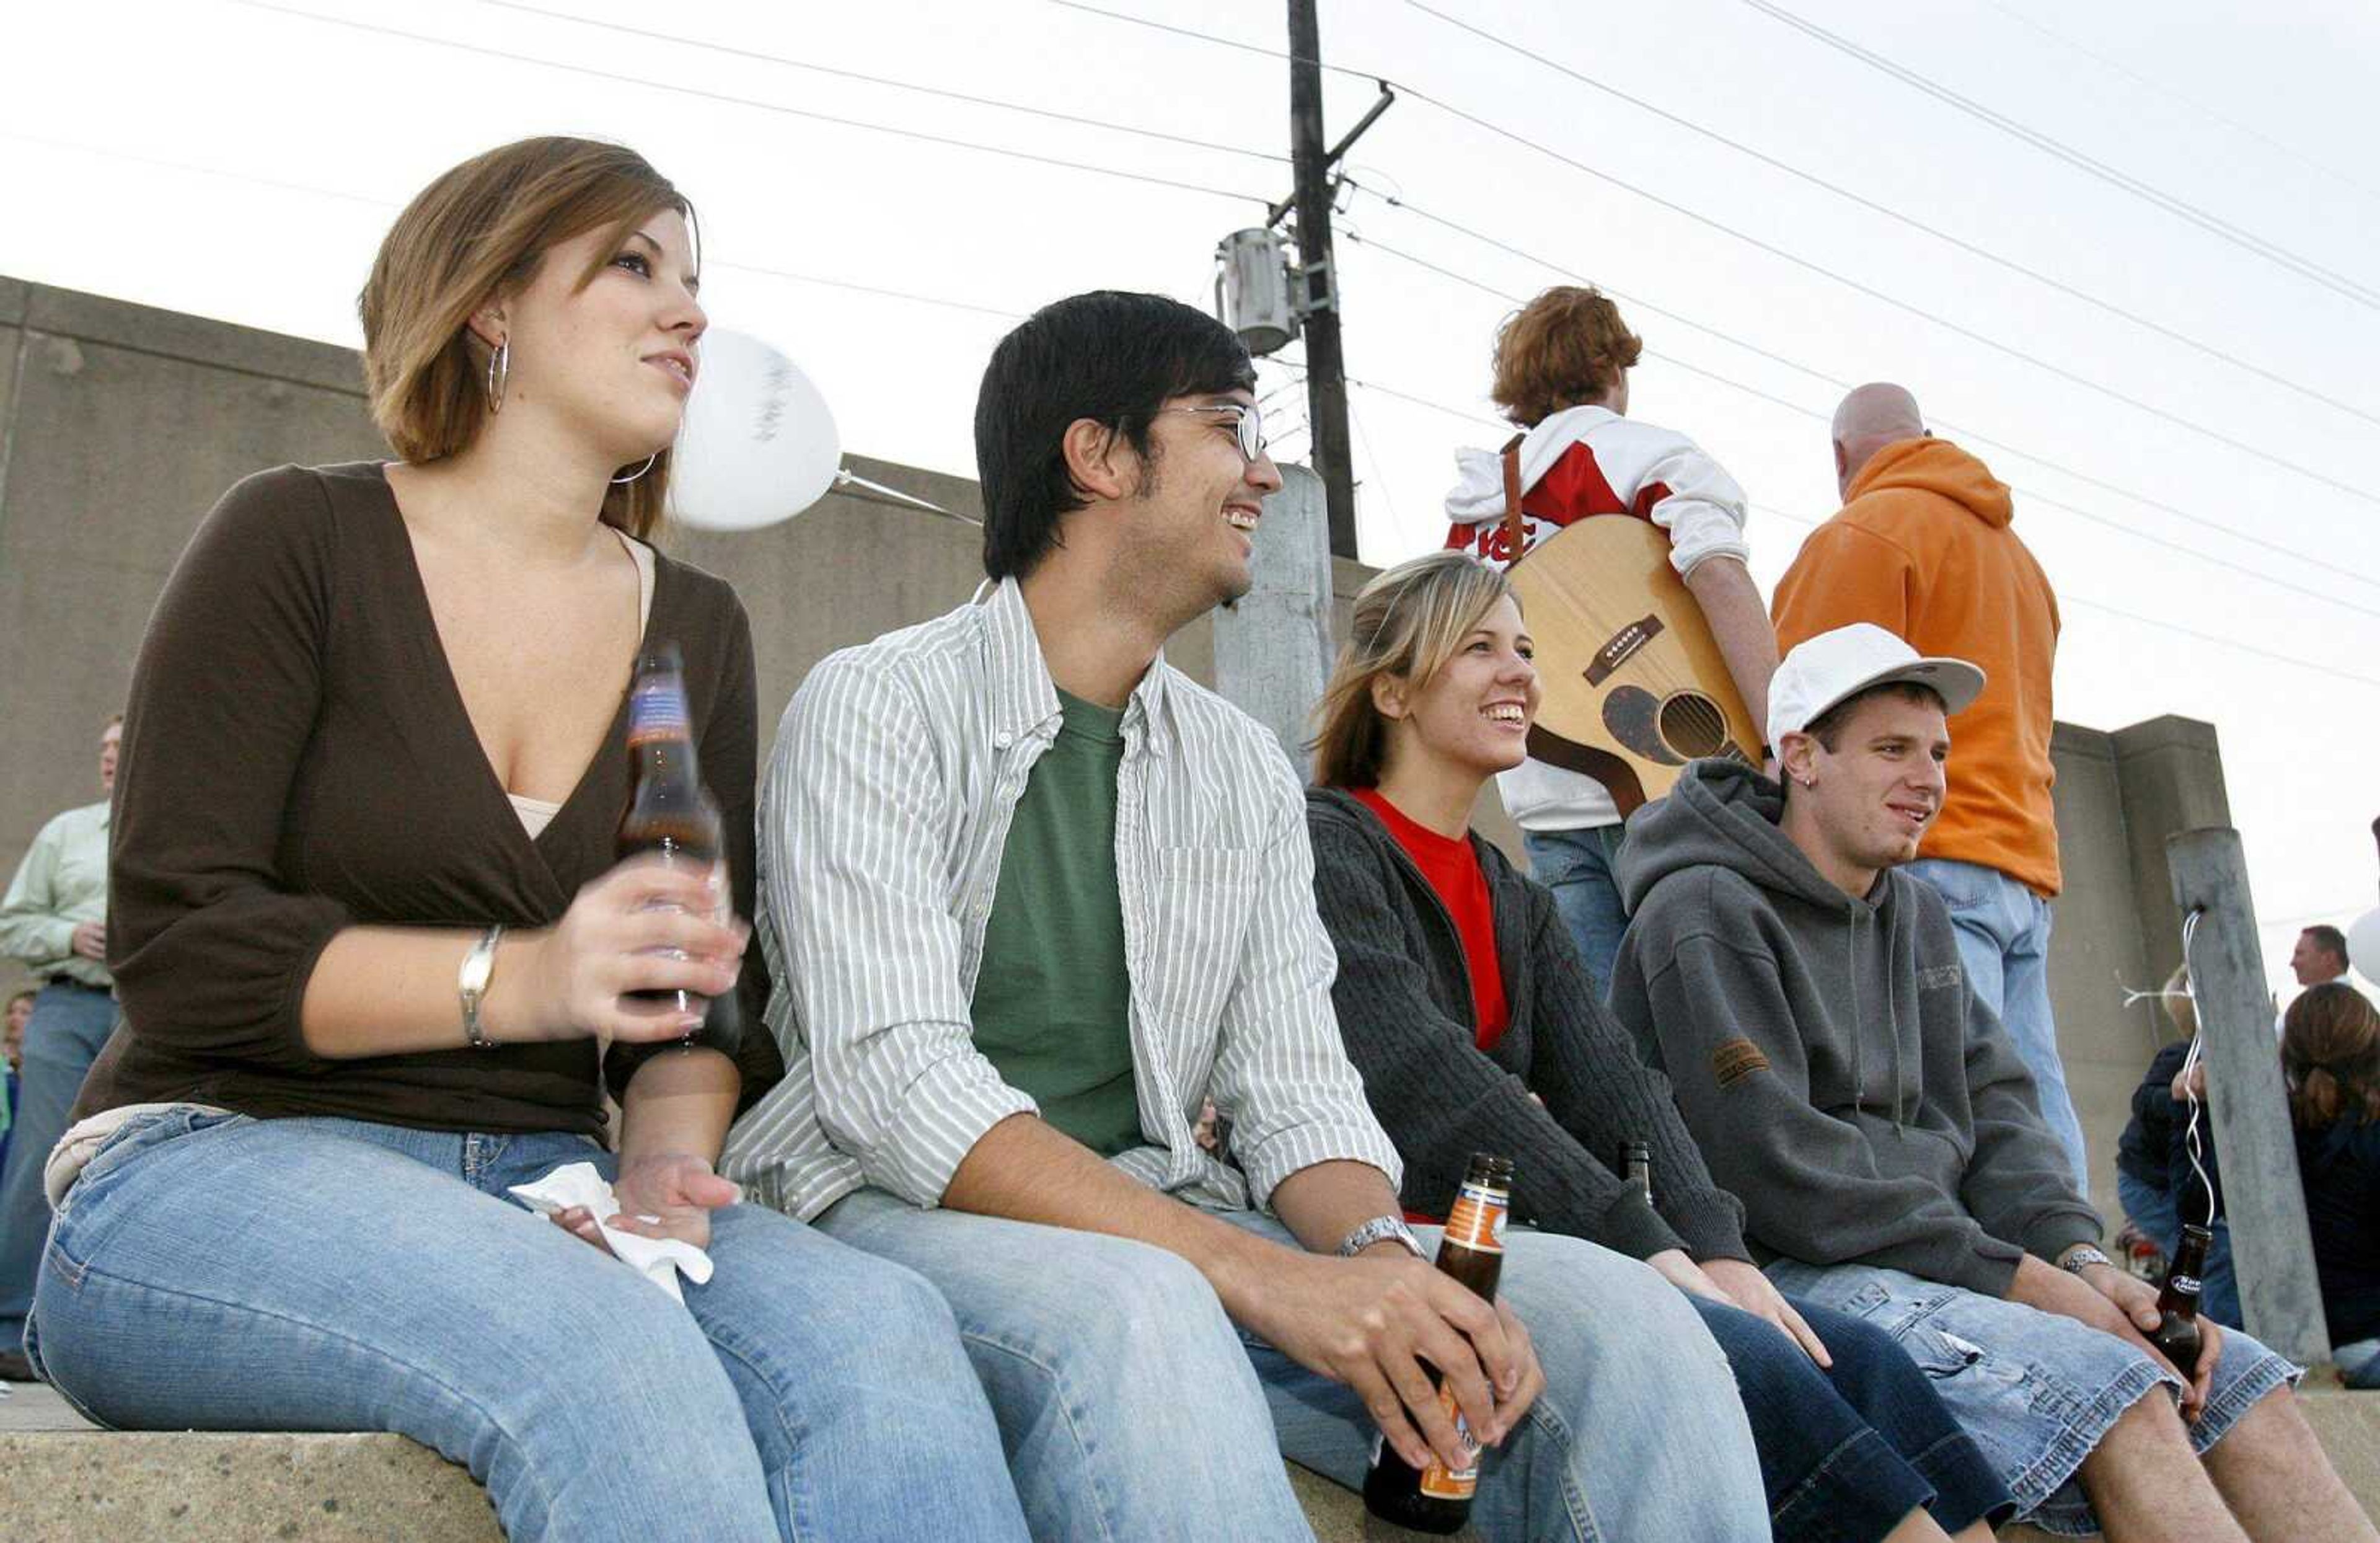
pixel 479 230
pixel 1409 621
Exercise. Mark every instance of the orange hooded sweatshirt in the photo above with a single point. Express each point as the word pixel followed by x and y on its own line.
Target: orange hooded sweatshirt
pixel 1922 547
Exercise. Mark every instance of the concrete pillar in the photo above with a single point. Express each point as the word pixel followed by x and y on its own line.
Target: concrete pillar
pixel 1272 648
pixel 2172 775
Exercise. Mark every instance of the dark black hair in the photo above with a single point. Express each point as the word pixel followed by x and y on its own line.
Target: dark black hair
pixel 1828 726
pixel 1109 355
pixel 2329 939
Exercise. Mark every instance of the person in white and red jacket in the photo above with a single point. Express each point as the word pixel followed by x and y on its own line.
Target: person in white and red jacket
pixel 1562 374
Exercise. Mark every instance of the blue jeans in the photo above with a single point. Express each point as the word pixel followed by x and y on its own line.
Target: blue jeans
pixel 2003 931
pixel 70 1024
pixel 2153 1210
pixel 2359 1363
pixel 217 1273
pixel 2037 1390
pixel 1134 1409
pixel 1577 865
pixel 1848 1451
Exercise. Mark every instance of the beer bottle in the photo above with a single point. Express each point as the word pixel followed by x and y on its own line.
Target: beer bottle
pixel 1437 1498
pixel 671 812
pixel 2177 1331
pixel 1637 1168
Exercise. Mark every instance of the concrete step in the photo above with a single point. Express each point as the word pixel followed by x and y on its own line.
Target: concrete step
pixel 69 1483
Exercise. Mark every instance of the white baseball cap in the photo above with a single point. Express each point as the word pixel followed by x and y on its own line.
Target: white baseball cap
pixel 1822 671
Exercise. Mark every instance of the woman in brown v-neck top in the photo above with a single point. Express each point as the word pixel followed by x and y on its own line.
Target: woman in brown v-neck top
pixel 292 1179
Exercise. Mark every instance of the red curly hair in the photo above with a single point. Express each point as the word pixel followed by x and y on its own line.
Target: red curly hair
pixel 1565 348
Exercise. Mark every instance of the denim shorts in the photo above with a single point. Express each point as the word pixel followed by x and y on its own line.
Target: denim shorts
pixel 2038 1392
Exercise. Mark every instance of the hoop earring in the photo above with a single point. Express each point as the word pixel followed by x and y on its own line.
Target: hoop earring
pixel 621 482
pixel 500 375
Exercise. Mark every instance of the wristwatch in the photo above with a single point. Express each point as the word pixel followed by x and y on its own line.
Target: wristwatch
pixel 2081 1256
pixel 1380 1229
pixel 471 985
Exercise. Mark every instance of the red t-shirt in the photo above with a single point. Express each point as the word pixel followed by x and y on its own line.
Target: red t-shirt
pixel 1452 869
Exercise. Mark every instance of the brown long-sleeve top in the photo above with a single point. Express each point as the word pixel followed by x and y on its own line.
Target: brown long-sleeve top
pixel 297 760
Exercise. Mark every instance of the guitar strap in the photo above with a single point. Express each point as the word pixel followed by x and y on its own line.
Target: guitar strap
pixel 1512 499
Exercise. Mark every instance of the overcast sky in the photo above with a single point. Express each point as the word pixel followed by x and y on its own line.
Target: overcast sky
pixel 2209 176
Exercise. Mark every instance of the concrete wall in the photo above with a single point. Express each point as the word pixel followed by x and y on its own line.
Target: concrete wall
pixel 120 425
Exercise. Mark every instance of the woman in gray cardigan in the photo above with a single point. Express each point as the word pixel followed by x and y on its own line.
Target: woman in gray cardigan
pixel 1466 1007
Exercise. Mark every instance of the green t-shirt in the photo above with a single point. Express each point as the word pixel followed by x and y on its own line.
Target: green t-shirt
pixel 1053 1000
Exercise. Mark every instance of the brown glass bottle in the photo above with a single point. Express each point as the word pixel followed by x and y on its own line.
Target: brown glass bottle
pixel 1437 1498
pixel 2177 1334
pixel 1637 1168
pixel 671 812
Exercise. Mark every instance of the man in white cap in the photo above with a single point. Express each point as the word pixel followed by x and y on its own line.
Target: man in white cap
pixel 1808 1002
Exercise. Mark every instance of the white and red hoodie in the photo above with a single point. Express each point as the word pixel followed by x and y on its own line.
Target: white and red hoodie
pixel 1580 462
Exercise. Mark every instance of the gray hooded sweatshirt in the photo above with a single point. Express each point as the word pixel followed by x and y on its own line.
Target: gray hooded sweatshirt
pixel 1841 1079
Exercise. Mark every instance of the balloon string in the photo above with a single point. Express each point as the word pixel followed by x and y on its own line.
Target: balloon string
pixel 2192 1141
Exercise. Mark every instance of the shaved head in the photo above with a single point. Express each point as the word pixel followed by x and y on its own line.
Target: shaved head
pixel 1871 418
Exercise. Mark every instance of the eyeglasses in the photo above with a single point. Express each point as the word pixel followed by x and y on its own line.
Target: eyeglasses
pixel 1247 419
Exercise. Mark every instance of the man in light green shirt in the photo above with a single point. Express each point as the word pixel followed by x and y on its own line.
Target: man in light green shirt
pixel 54 919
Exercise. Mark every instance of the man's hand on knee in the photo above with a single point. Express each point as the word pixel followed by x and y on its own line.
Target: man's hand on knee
pixel 2115 1303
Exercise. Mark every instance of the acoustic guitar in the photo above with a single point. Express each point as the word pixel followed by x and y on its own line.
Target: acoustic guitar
pixel 1635 685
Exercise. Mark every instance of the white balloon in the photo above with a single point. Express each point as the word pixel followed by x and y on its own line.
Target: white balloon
pixel 2363 945
pixel 757 444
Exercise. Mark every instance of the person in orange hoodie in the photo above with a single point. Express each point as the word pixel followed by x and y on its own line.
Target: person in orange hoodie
pixel 1924 547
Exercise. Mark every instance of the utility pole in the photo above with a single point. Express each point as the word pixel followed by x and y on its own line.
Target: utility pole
pixel 1326 365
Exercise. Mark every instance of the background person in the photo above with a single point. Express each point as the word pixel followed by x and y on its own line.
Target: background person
pixel 54 919
pixel 1562 374
pixel 2330 1051
pixel 12 1045
pixel 2158 1184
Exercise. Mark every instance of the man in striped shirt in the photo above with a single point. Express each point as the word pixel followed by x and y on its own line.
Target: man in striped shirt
pixel 1031 897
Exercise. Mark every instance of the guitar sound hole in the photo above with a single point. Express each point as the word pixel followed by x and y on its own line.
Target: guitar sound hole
pixel 1693 724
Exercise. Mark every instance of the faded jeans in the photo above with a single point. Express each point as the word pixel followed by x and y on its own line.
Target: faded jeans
pixel 1577 865
pixel 217 1273
pixel 2003 933
pixel 1135 1410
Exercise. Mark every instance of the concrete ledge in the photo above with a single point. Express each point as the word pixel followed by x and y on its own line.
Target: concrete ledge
pixel 68 1483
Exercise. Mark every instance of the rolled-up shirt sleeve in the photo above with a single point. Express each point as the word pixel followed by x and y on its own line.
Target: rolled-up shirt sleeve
pixel 1281 1068
pixel 210 948
pixel 1693 498
pixel 856 821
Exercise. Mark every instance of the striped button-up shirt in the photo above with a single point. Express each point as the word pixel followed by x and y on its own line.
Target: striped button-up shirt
pixel 884 816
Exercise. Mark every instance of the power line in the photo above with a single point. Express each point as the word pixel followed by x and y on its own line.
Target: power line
pixel 2214 225
pixel 1874 206
pixel 2264 453
pixel 2194 103
pixel 918 135
pixel 368 202
pixel 2328 565
pixel 891 84
pixel 1794 407
pixel 2075 601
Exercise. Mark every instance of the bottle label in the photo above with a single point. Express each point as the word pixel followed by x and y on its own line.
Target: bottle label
pixel 2183 1284
pixel 1441 1482
pixel 1477 1219
pixel 657 711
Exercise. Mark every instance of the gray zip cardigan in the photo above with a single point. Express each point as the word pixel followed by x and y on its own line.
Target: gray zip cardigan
pixel 1403 999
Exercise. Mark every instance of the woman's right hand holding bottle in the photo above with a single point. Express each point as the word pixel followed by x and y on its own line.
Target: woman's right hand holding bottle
pixel 647 925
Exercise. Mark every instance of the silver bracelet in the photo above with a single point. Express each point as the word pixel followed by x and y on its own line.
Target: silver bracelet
pixel 1379 1230
pixel 471 985
pixel 2083 1256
